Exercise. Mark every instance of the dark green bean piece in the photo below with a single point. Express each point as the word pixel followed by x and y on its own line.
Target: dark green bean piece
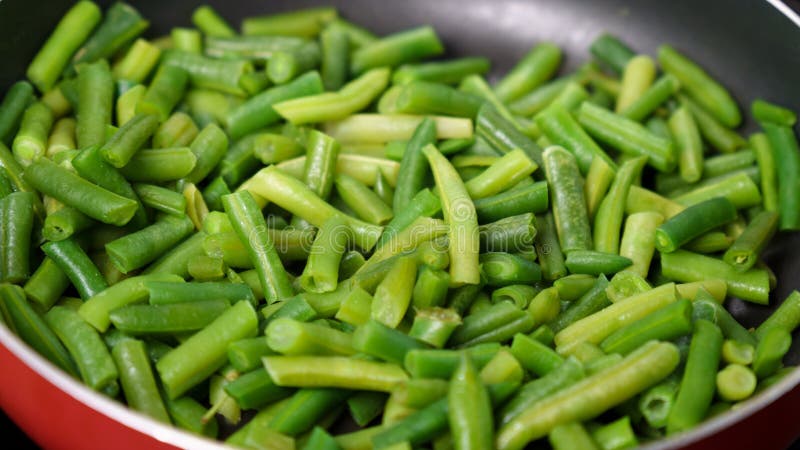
pixel 510 234
pixel 16 228
pixel 211 23
pixel 129 139
pixel 688 145
pixel 176 260
pixel 255 389
pixel 700 86
pixel 285 65
pixel 257 112
pixel 572 287
pixel 306 408
pixel 744 252
pixel 161 199
pixel 393 50
pixel 413 168
pixel 166 89
pixel 171 318
pixel 502 269
pixel 423 363
pixel 764 111
pixel 245 355
pixel 608 220
pixel 32 328
pixel 252 230
pixel 95 98
pixel 137 249
pixel 698 383
pixel 136 377
pixel 425 97
pixel 302 22
pixel 470 410
pixel 214 192
pixel 693 222
pixel 96 367
pixel 535 356
pixel 363 201
pixel 221 74
pixel 786 316
pixel 612 52
pixel 592 262
pixel 72 260
pixel 561 129
pixel 120 26
pixel 335 64
pixel 14 104
pixel 592 301
pixel 786 151
pixel 47 284
pixel 364 407
pixel 569 206
pixel 502 134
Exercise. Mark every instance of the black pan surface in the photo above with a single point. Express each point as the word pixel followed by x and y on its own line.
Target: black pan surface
pixel 749 45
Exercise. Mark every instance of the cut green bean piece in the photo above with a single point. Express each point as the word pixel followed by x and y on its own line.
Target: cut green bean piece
pixel 396 49
pixel 536 67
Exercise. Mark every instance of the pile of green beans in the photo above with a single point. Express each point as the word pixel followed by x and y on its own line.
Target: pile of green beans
pixel 305 221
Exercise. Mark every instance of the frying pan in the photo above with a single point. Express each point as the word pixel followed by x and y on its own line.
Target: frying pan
pixel 752 46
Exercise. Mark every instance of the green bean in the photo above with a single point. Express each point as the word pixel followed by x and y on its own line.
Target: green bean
pixel 249 224
pixel 638 76
pixel 80 270
pixel 15 102
pixel 559 126
pixel 425 97
pixel 204 352
pixel 766 166
pixel 535 356
pixel 470 410
pixel 785 149
pixel 735 382
pixel 175 261
pixel 160 165
pixel 700 86
pixel 593 300
pixel 285 65
pixel 291 337
pixel 137 63
pixel 739 188
pixel 608 221
pixel 571 436
pixel 744 252
pixel 120 26
pixel 772 346
pixel 786 316
pixel 569 206
pixel 502 269
pixel 351 98
pixel 718 135
pixel 16 228
pixel 434 325
pixel 322 269
pixel 644 200
pixel 502 134
pixel 697 385
pixel 334 371
pixel 638 240
pixel 96 93
pixel 681 265
pixel 20 316
pixel 688 143
pixel 70 33
pixel 30 142
pixel 506 172
pixel 384 189
pixel 258 111
pixel 335 64
pixel 612 52
pixel 126 103
pixel 539 98
pixel 393 294
pixel 376 339
pixel 627 136
pixel 380 128
pixel 245 355
pixel 166 89
pixel 179 130
pixel 764 111
pixel 47 284
pixel 211 23
pixel 366 203
pixel 161 199
pixel 144 246
pixel 626 284
pixel 514 233
pixel 221 74
pixel 736 352
pixel 598 180
pixel 167 318
pixel 451 71
pixel 536 67
pixel 660 91
pixel 693 222
pixel 459 213
pixel 136 377
pixel 96 367
pixel 393 50
pixel 665 324
pixel 62 137
pixel 591 396
pixel 302 22
pixel 187 40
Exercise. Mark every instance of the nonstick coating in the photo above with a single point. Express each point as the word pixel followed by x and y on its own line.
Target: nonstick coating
pixel 749 45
